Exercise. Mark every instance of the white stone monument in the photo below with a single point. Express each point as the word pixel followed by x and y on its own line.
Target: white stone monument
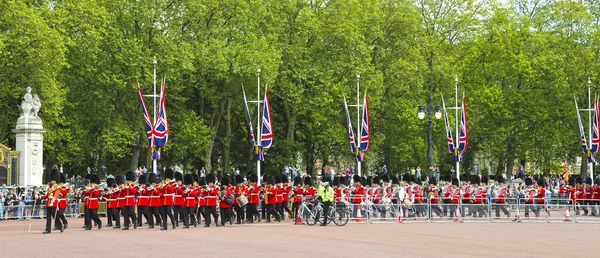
pixel 30 141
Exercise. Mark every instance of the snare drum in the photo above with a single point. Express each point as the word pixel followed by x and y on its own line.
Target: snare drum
pixel 242 200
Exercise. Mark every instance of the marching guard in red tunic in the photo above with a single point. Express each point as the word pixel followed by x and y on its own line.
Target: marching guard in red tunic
pixel 167 199
pixel 111 200
pixel 226 199
pixel 211 195
pixel 152 190
pixel 179 199
pixel 62 204
pixel 190 201
pixel 143 200
pixel 93 204
pixel 239 191
pixel 120 192
pixel 130 191
pixel 298 196
pixel 52 194
pixel 253 199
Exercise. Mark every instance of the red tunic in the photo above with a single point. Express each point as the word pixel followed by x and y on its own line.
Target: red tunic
pixel 239 191
pixel 298 195
pixel 478 195
pixel 310 193
pixel 111 200
pixel 529 195
pixel 179 196
pixel 92 200
pixel 455 197
pixel 501 195
pixel 62 198
pixel 50 203
pixel 540 196
pixel 286 192
pixel 211 196
pixel 254 191
pixel 154 197
pixel 435 190
pixel 168 195
pixel 190 198
pixel 279 195
pixel 358 194
pixel 121 199
pixel 228 192
pixel 144 197
pixel 272 194
pixel 376 195
pixel 337 193
pixel 572 194
pixel 448 193
pixel 466 193
pixel 418 194
pixel 201 200
pixel 130 193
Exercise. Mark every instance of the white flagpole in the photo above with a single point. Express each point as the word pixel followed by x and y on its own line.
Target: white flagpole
pixel 258 128
pixel 457 143
pixel 359 124
pixel 154 161
pixel 592 110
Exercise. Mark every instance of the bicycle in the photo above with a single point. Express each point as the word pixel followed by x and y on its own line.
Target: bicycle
pixel 338 215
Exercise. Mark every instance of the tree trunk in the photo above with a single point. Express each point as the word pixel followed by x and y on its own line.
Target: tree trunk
pixel 584 167
pixel 510 162
pixel 227 140
pixel 290 115
pixel 135 157
pixel 215 122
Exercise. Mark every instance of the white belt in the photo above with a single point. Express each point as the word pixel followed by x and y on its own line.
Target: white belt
pixel 279 195
pixel 129 196
pixel 179 196
pixel 112 200
pixel 154 196
pixel 91 199
pixel 210 197
pixel 62 199
pixel 168 194
pixel 190 198
pixel 140 197
pixel 121 198
pixel 253 194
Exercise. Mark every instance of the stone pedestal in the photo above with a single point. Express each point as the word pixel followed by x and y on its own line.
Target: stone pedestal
pixel 30 142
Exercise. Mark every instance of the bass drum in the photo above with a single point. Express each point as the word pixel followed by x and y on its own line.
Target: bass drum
pixel 242 201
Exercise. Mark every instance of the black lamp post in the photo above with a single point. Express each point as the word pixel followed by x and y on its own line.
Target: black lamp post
pixel 431 111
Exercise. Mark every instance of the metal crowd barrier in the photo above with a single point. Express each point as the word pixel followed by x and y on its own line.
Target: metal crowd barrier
pixel 37 211
pixel 586 211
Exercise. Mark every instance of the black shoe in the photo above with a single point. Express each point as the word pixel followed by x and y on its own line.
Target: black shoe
pixel 207 226
pixel 88 228
pixel 116 227
pixel 186 226
pixel 100 225
pixel 46 232
pixel 84 226
pixel 62 229
pixel 238 223
pixel 163 228
pixel 135 226
pixel 125 228
pixel 323 225
pixel 174 226
pixel 150 226
pixel 109 225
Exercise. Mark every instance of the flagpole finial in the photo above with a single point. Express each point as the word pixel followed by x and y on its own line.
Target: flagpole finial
pixel 258 70
pixel 154 62
pixel 456 78
pixel 358 75
pixel 589 80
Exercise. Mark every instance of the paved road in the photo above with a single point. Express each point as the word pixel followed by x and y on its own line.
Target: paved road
pixel 287 240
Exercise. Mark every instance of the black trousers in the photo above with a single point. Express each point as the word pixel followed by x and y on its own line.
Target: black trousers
pixel 117 217
pixel 129 216
pixel 295 207
pixel 92 215
pixel 51 214
pixel 251 212
pixel 326 206
pixel 60 217
pixel 187 212
pixel 272 211
pixel 263 210
pixel 239 210
pixel 142 211
pixel 501 206
pixel 153 213
pixel 286 207
pixel 208 211
pixel 110 213
pixel 178 213
pixel 166 211
pixel 225 215
pixel 201 213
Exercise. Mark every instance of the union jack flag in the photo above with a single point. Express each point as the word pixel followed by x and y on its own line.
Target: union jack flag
pixel 161 126
pixel 365 134
pixel 463 141
pixel 149 131
pixel 448 130
pixel 250 131
pixel 260 154
pixel 595 133
pixel 584 146
pixel 267 125
pixel 353 148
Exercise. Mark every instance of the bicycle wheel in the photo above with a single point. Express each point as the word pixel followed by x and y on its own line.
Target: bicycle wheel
pixel 309 217
pixel 339 217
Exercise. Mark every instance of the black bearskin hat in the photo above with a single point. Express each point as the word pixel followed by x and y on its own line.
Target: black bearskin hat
pixel 418 181
pixel 253 178
pixel 195 177
pixel 588 181
pixel 578 180
pixel 239 179
pixel 500 179
pixel 110 182
pixel 284 179
pixel 169 174
pixel 395 180
pixel 376 180
pixel 178 176
pixel 406 177
pixel 327 180
pixel 475 180
pixel 62 179
pixel 54 175
pixel 152 178
pixel 225 181
pixel 188 179
pixel 357 179
pixel 336 181
pixel 363 180
pixel 485 180
pixel 95 179
pixel 385 178
pixel 308 181
pixel 541 182
pixel 448 178
pixel 455 181
pixel 142 179
pixel 432 181
pixel 411 179
pixel 270 180
pixel 297 180
pixel 201 181
pixel 277 179
pixel 129 176
pixel 572 181
pixel 464 178
pixel 528 181
pixel 211 178
pixel 120 180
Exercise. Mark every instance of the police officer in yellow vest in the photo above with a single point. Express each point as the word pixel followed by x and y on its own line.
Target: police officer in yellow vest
pixel 325 193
